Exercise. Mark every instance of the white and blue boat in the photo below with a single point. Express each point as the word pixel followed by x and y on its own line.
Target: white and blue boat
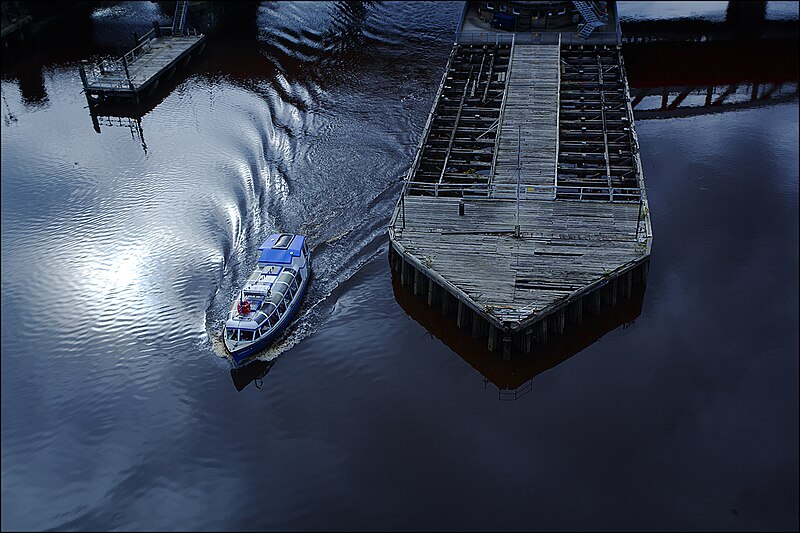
pixel 270 297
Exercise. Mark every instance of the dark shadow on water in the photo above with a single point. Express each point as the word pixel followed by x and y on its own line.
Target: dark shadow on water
pixel 252 372
pixel 513 378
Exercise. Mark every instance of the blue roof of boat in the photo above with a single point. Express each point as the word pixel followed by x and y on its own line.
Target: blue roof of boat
pixel 280 255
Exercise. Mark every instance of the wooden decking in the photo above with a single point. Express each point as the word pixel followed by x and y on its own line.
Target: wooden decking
pixel 139 70
pixel 575 236
pixel 163 53
pixel 530 110
pixel 565 247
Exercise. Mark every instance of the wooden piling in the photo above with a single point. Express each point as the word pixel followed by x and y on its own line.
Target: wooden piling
pixel 594 302
pixel 627 284
pixel 434 292
pixel 541 331
pixel 419 280
pixel 405 276
pixel 447 303
pixel 462 318
pixel 494 338
pixel 527 340
pixel 506 346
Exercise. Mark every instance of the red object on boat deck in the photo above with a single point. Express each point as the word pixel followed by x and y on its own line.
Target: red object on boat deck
pixel 244 307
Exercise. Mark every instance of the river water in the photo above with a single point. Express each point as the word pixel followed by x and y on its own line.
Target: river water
pixel 124 241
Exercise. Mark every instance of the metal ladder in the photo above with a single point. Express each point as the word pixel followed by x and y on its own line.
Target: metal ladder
pixel 179 20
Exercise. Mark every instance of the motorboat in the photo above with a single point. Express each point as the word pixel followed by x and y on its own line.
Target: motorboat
pixel 270 297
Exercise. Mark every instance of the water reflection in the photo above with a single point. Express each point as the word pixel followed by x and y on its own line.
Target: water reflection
pixel 129 114
pixel 691 100
pixel 708 77
pixel 513 378
pixel 348 21
pixel 253 372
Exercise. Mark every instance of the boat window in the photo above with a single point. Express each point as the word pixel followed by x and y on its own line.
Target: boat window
pixel 284 241
pixel 256 333
pixel 299 277
pixel 232 334
pixel 282 306
pixel 273 319
pixel 246 335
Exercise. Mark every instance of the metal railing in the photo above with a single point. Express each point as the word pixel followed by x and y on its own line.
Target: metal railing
pixel 106 74
pixel 552 38
pixel 113 73
pixel 507 191
pixel 484 37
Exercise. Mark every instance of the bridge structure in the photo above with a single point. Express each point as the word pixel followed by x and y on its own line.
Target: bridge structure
pixel 525 204
pixel 155 56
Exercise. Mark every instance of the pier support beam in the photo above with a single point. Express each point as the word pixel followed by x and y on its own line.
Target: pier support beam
pixel 541 331
pixel 613 289
pixel 448 302
pixel 627 283
pixel 434 292
pixel 576 311
pixel 644 269
pixel 527 340
pixel 405 275
pixel 419 282
pixel 594 302
pixel 506 346
pixel 494 338
pixel 480 327
pixel 462 318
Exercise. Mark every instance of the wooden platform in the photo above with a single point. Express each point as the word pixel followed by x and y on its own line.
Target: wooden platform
pixel 575 235
pixel 530 109
pixel 139 71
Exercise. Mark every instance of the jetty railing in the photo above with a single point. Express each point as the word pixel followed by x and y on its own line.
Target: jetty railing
pixel 507 191
pixel 554 38
pixel 113 73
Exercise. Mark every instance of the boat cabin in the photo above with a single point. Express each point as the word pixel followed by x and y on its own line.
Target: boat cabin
pixel 269 293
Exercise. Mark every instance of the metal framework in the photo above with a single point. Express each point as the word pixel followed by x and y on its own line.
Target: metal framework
pixel 596 145
pixel 458 151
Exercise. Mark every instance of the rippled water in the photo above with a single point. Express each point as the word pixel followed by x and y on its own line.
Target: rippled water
pixel 121 251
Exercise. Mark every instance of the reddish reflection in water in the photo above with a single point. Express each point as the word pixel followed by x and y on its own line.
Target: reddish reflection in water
pixel 511 377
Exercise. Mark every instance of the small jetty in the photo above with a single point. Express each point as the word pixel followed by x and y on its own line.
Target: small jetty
pixel 155 56
pixel 526 204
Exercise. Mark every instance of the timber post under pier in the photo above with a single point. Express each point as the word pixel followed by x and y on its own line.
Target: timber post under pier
pixel 525 206
pixel 617 290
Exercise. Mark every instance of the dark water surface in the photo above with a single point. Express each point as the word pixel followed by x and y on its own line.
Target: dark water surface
pixel 121 251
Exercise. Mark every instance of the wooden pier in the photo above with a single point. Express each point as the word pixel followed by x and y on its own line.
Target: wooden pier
pixel 526 202
pixel 156 56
